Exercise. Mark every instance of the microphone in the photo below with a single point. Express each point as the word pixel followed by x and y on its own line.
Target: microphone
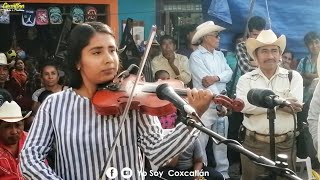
pixel 166 92
pixel 265 98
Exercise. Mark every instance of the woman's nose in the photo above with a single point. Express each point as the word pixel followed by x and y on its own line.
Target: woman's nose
pixel 109 58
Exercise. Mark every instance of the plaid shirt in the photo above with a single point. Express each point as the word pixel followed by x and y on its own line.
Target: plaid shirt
pixel 307 66
pixel 243 58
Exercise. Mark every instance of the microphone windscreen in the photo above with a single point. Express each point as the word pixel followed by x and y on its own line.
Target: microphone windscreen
pixel 166 92
pixel 258 96
pixel 161 90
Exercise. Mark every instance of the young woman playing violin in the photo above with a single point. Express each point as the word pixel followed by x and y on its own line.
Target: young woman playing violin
pixel 82 138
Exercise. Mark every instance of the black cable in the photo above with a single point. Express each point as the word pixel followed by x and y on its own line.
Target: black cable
pixel 274 167
pixel 227 141
pixel 294 135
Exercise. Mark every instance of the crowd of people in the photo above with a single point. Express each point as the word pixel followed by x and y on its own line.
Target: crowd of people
pixel 67 139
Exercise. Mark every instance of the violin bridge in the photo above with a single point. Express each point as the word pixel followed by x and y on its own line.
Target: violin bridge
pixel 111 86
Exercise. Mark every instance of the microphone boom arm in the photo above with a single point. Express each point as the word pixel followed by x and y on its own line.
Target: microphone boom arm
pixel 259 160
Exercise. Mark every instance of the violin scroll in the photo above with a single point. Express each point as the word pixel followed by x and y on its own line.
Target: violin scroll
pixel 235 105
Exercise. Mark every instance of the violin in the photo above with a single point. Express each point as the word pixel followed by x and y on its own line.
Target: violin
pixel 111 99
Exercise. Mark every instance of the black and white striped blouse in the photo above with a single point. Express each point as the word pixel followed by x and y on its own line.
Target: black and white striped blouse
pixel 83 138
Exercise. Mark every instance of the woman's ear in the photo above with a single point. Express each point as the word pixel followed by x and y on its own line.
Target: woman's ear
pixel 78 66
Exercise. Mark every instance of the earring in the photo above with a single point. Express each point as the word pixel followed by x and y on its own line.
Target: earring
pixel 78 68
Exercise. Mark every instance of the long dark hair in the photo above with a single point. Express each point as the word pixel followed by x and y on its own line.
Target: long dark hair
pixel 78 40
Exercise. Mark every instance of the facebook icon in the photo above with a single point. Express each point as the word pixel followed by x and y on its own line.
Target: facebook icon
pixel 112 173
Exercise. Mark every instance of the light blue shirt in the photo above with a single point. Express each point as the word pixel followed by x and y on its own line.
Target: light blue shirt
pixel 204 63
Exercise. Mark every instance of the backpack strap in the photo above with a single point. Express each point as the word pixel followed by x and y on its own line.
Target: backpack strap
pixel 304 65
pixel 233 79
pixel 290 76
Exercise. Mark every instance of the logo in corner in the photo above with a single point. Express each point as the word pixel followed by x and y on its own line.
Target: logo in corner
pixel 12 7
pixel 112 173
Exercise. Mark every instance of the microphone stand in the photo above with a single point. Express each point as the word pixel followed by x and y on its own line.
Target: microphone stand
pixel 259 160
pixel 271 115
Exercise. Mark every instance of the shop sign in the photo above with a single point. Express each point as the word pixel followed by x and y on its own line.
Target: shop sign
pixel 12 6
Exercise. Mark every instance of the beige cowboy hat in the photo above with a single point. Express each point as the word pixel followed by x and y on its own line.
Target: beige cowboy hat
pixel 4 61
pixel 11 112
pixel 205 28
pixel 266 37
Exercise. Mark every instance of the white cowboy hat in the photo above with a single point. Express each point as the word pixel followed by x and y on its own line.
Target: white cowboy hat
pixel 4 61
pixel 11 112
pixel 205 28
pixel 266 37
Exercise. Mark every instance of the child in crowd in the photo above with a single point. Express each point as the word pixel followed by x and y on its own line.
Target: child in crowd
pixel 162 75
pixel 167 121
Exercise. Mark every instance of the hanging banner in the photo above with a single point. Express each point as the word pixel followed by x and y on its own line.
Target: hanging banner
pixel 55 15
pixel 4 16
pixel 29 17
pixel 42 17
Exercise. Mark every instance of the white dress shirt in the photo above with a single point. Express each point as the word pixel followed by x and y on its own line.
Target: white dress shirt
pixel 204 63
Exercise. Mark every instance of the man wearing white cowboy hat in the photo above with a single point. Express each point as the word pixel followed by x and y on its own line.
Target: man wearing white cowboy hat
pixel 266 50
pixel 210 70
pixel 12 138
pixel 4 70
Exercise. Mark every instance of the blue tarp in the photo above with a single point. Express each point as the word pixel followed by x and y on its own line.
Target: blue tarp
pixel 292 18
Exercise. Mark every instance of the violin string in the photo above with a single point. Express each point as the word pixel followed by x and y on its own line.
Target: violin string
pixel 127 107
pixel 152 88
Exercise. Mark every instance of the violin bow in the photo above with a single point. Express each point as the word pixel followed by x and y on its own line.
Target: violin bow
pixel 252 2
pixel 127 107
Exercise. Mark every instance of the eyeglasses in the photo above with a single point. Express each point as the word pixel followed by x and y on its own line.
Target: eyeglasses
pixel 215 34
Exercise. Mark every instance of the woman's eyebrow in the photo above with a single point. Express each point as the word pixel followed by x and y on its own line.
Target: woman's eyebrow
pixel 96 48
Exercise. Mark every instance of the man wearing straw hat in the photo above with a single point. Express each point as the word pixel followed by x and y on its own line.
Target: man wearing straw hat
pixel 266 49
pixel 210 70
pixel 12 138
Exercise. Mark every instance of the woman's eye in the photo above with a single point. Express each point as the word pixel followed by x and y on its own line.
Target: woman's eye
pixel 96 53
